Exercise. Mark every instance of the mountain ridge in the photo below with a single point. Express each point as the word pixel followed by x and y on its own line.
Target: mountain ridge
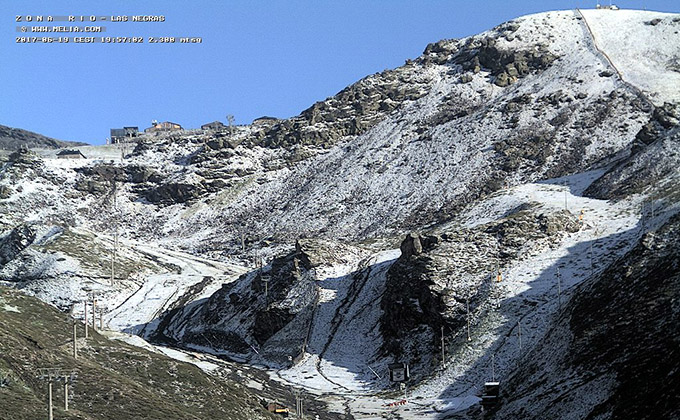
pixel 12 139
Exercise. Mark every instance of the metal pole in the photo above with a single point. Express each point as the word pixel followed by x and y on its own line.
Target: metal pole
pixel 85 319
pixel 113 261
pixel 467 302
pixel 101 319
pixel 559 288
pixel 65 393
pixel 592 268
pixel 94 313
pixel 50 415
pixel 493 367
pixel 75 344
pixel 115 235
pixel 519 334
pixel 443 353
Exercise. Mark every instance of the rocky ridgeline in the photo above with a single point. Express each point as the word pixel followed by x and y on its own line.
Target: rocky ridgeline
pixel 359 107
pixel 350 112
pixel 429 286
pixel 15 138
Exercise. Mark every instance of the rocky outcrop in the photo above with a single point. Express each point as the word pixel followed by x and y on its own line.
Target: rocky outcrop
pixel 414 245
pixel 268 310
pixel 23 157
pixel 435 278
pixel 5 192
pixel 663 119
pixel 16 241
pixel 504 66
pixel 174 192
pixel 653 162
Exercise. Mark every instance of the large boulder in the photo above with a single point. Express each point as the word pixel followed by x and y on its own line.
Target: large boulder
pixel 16 241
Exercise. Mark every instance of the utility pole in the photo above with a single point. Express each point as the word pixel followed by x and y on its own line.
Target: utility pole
pixel 493 368
pixel 50 414
pixel 566 188
pixel 49 375
pixel 264 278
pixel 443 350
pixel 298 404
pixel 67 378
pixel 113 254
pixel 94 312
pixel 101 319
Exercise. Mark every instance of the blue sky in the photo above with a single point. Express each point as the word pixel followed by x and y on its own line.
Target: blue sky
pixel 257 58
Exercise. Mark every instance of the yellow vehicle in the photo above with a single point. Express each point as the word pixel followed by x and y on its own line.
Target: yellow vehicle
pixel 277 408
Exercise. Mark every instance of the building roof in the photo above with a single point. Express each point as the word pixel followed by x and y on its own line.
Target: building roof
pixel 70 152
pixel 214 124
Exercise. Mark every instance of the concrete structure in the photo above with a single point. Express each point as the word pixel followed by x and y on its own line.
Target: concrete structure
pixel 125 134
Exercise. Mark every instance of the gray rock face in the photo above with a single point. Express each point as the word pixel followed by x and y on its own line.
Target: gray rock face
pixel 5 192
pixel 175 192
pixel 268 310
pixel 505 66
pixel 23 157
pixel 663 118
pixel 428 287
pixel 414 245
pixel 653 162
pixel 350 112
pixel 16 241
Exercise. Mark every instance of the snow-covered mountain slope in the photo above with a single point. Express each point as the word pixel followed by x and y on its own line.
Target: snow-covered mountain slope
pixel 643 47
pixel 536 147
pixel 466 137
pixel 612 352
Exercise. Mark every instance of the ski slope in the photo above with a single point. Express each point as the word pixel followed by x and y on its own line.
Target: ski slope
pixel 644 48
